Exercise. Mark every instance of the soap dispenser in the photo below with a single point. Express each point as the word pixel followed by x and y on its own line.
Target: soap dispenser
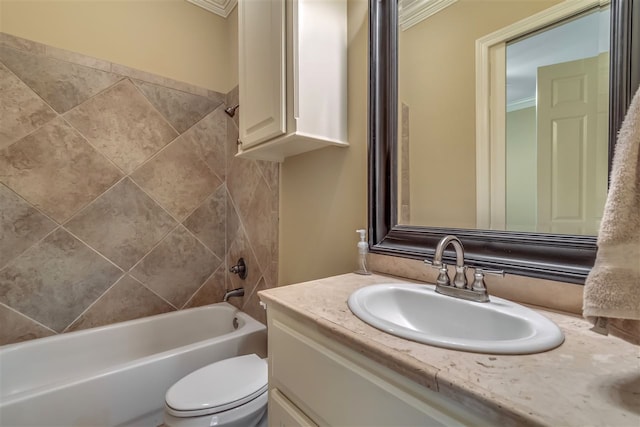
pixel 363 250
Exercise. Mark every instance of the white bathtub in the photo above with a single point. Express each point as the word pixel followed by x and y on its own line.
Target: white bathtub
pixel 117 375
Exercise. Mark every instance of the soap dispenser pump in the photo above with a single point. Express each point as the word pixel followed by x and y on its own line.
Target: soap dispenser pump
pixel 363 250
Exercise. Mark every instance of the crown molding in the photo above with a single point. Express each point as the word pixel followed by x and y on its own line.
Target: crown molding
pixel 412 12
pixel 521 104
pixel 219 7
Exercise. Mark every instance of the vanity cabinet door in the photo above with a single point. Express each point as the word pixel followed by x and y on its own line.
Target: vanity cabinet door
pixel 334 389
pixel 283 413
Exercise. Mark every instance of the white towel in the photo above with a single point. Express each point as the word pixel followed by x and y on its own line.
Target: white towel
pixel 612 289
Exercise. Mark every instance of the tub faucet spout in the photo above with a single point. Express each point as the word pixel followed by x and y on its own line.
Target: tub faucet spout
pixel 238 292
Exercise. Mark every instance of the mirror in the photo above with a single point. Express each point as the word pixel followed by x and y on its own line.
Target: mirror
pixel 435 132
pixel 543 50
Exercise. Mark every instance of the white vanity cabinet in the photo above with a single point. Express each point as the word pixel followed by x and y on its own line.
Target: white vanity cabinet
pixel 314 380
pixel 292 76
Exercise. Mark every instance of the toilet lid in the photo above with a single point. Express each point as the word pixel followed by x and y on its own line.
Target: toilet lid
pixel 220 386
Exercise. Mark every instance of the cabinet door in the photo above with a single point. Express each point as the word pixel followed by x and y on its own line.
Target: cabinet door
pixel 262 76
pixel 283 413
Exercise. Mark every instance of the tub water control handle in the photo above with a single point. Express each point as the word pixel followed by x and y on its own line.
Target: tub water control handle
pixel 240 269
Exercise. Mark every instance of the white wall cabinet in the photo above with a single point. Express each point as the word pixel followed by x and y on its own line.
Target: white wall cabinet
pixel 314 380
pixel 292 76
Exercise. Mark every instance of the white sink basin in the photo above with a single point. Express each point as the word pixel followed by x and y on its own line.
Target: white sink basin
pixel 418 313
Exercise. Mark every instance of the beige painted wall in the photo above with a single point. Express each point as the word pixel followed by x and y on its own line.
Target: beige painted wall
pixel 172 38
pixel 437 82
pixel 323 193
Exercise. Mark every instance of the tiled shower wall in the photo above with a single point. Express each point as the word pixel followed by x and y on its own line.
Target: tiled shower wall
pixel 120 196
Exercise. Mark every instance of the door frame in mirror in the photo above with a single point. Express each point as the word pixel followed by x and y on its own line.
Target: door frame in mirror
pixel 566 258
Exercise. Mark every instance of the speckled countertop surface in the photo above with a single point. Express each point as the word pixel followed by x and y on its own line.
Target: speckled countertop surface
pixel 590 380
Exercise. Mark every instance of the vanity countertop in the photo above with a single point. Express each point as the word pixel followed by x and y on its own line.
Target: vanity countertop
pixel 590 380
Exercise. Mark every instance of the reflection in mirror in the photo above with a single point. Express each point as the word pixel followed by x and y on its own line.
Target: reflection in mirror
pixel 544 167
pixel 557 113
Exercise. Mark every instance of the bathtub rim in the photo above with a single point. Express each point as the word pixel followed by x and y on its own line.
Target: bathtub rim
pixel 248 325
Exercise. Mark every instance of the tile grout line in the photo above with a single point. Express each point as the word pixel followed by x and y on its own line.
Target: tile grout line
pixel 92 202
pixel 149 195
pixel 8 307
pixel 152 291
pixel 201 287
pixel 245 232
pixel 56 223
pixel 66 329
pixel 148 101
pixel 181 222
pixel 92 248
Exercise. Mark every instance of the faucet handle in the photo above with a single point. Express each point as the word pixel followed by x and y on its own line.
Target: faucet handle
pixel 443 276
pixel 434 264
pixel 460 279
pixel 478 278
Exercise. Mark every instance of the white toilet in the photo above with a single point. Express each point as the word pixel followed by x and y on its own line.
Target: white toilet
pixel 230 393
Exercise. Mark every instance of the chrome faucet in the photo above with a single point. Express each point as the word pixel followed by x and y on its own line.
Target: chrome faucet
pixel 460 279
pixel 477 291
pixel 238 292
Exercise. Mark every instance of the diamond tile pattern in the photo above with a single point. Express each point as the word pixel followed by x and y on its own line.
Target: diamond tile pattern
pixel 20 225
pixel 178 178
pixel 22 111
pixel 56 170
pixel 177 267
pixel 54 281
pixel 61 84
pixel 123 224
pixel 130 204
pixel 128 299
pixel 122 125
pixel 207 222
pixel 17 327
pixel 180 108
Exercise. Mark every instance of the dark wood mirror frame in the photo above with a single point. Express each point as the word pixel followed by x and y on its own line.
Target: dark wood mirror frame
pixel 566 258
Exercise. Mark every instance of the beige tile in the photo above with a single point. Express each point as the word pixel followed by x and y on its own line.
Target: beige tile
pixel 240 248
pixel 207 222
pixel 261 226
pixel 207 138
pixel 128 299
pixel 56 280
pixel 242 180
pixel 164 81
pixel 271 174
pixel 20 225
pixel 61 84
pixel 123 224
pixel 177 267
pixel 77 58
pixel 21 110
pixel 56 170
pixel 122 125
pixel 211 292
pixel 181 109
pixel 233 222
pixel 178 178
pixel 17 327
pixel 21 44
pixel 252 303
